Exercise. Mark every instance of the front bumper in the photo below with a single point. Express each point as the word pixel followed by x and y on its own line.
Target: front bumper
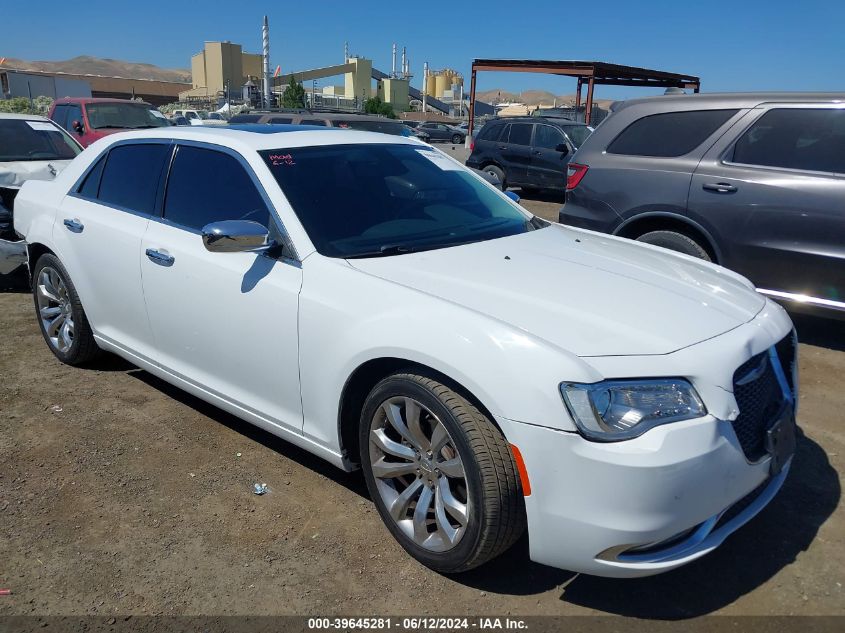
pixel 669 492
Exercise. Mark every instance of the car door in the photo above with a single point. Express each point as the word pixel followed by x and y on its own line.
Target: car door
pixel 514 147
pixel 225 322
pixel 548 164
pixel 98 234
pixel 773 190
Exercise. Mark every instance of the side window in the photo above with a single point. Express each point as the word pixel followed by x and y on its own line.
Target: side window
pixel 808 139
pixel 520 133
pixel 489 132
pixel 670 134
pixel 313 122
pixel 547 137
pixel 74 113
pixel 190 115
pixel 131 174
pixel 208 186
pixel 505 132
pixel 60 115
pixel 91 186
pixel 278 120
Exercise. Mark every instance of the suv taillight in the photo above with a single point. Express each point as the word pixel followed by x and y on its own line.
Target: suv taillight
pixel 472 145
pixel 574 173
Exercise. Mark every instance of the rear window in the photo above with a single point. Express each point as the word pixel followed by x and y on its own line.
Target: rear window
pixel 130 177
pixel 670 134
pixel 22 140
pixel 795 138
pixel 245 118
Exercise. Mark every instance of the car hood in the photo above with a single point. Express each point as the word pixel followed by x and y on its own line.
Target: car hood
pixel 588 294
pixel 14 173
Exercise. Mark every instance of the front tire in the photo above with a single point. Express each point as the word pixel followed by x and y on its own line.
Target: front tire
pixel 440 472
pixel 60 315
pixel 675 241
pixel 498 173
pixel 457 139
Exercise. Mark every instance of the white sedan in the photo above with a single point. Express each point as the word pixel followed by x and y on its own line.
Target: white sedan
pixel 369 299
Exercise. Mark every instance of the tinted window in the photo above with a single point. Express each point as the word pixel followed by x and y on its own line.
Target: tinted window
pixel 547 137
pixel 128 115
pixel 60 115
pixel 807 139
pixel 74 113
pixel 22 140
pixel 91 186
pixel 130 177
pixel 245 118
pixel 279 120
pixel 490 132
pixel 503 135
pixel 208 186
pixel 577 133
pixel 520 134
pixel 313 122
pixel 386 199
pixel 670 134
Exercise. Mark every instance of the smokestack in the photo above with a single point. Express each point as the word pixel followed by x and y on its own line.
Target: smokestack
pixel 345 52
pixel 265 36
pixel 393 71
pixel 425 85
pixel 404 61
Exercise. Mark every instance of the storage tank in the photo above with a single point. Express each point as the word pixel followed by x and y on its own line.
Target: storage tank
pixel 430 83
pixel 441 84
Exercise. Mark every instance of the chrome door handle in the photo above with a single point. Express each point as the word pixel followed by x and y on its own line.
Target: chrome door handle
pixel 719 187
pixel 74 226
pixel 157 257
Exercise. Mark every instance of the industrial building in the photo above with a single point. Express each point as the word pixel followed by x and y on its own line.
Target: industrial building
pixel 218 67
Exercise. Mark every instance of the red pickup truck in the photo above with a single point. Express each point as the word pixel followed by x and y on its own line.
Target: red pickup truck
pixel 90 119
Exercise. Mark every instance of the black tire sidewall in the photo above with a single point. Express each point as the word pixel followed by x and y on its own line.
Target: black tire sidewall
pixel 457 136
pixel 674 241
pixel 456 558
pixel 496 171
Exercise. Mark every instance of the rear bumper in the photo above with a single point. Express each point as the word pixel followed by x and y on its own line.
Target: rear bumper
pixel 600 219
pixel 668 493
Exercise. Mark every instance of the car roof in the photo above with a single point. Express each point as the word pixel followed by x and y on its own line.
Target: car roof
pixel 535 119
pixel 329 116
pixel 97 100
pixel 260 137
pixel 24 117
pixel 735 99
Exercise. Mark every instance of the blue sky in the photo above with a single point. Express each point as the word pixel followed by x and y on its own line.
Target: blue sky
pixel 733 46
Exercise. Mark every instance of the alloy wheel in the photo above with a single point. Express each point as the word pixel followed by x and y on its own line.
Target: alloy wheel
pixel 419 473
pixel 55 309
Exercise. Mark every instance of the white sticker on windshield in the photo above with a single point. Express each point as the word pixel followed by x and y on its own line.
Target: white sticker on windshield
pixel 158 114
pixel 42 126
pixel 440 160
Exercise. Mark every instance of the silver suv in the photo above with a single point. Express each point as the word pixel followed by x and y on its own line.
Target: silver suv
pixel 754 182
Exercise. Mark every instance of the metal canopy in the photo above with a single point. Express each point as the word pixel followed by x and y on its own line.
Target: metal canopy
pixel 590 71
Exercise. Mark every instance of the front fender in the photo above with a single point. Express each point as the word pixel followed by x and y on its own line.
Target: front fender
pixel 347 318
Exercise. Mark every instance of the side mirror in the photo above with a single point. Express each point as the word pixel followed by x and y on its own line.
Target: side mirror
pixel 78 127
pixel 512 196
pixel 235 236
pixel 563 148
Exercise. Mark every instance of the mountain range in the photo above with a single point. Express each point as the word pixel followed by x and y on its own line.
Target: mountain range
pixel 88 65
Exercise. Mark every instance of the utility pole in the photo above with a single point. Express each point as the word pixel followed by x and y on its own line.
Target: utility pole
pixel 265 36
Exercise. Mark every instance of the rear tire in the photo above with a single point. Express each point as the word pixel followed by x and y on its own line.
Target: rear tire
pixel 675 241
pixel 60 315
pixel 457 139
pixel 498 173
pixel 425 446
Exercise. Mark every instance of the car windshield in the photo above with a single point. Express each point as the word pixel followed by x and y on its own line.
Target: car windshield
pixel 129 116
pixel 390 199
pixel 22 140
pixel 577 133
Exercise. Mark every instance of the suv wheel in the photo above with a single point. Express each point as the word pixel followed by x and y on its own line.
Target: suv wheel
pixel 440 473
pixel 498 173
pixel 676 242
pixel 456 139
pixel 60 315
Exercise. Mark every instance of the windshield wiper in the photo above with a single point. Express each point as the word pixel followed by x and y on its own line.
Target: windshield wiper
pixel 390 249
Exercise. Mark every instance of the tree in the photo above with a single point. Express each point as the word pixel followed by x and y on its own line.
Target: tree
pixel 294 95
pixel 376 106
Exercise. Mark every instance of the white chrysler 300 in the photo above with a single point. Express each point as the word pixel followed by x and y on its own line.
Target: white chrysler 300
pixel 371 300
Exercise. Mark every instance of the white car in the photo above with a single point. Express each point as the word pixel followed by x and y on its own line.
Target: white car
pixel 32 147
pixel 202 117
pixel 368 298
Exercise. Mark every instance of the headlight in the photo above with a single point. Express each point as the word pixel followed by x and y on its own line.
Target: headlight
pixel 621 409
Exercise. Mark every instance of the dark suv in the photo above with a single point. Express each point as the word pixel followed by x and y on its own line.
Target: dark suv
pixel 528 152
pixel 754 182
